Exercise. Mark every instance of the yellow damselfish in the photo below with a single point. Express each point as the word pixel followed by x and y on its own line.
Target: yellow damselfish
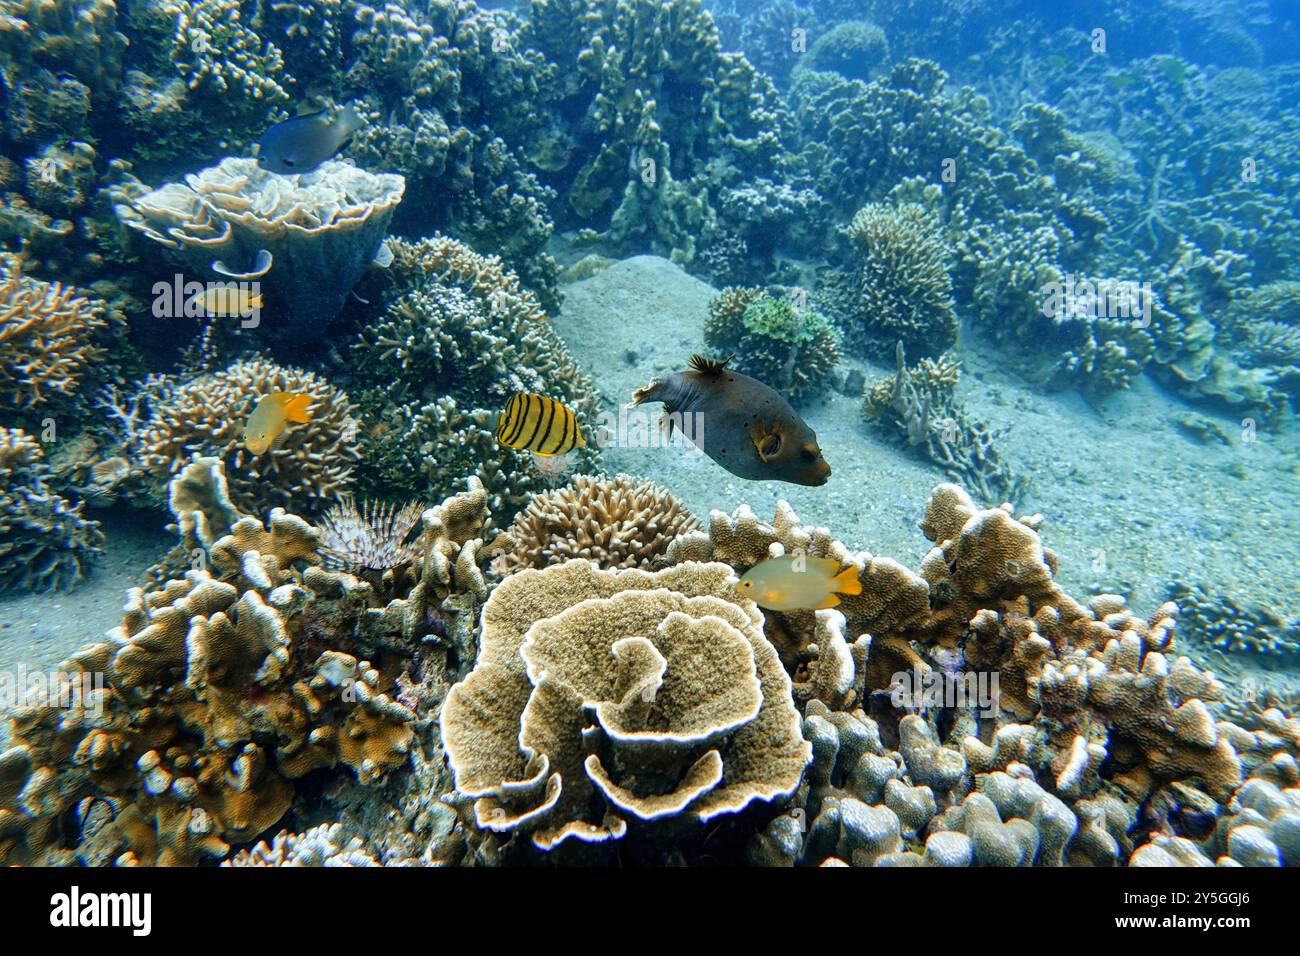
pixel 227 300
pixel 539 424
pixel 798 582
pixel 272 416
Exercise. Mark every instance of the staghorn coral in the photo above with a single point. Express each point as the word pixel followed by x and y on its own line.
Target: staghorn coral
pixel 47 337
pixel 226 686
pixel 311 466
pixel 920 404
pixel 691 709
pixel 794 352
pixel 322 845
pixel 459 338
pixel 45 542
pixel 617 523
pixel 904 290
pixel 322 228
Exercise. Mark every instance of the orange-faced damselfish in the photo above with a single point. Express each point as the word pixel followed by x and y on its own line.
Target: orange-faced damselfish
pixel 742 424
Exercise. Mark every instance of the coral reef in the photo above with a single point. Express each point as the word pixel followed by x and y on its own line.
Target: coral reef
pixel 229 684
pixel 919 404
pixel 1226 623
pixel 616 523
pixel 45 542
pixel 458 339
pixel 609 705
pixel 307 469
pixel 794 352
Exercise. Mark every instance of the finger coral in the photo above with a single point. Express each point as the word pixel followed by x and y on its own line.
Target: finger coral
pixel 47 336
pixel 605 702
pixel 224 687
pixel 309 467
pixel 617 523
pixel 45 542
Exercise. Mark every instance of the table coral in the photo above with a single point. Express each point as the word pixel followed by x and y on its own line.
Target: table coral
pixel 206 414
pixel 322 229
pixel 605 702
pixel 618 523
pixel 45 541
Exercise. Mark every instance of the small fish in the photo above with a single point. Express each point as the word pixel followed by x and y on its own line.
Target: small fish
pixel 272 416
pixel 226 300
pixel 798 582
pixel 743 425
pixel 539 424
pixel 300 144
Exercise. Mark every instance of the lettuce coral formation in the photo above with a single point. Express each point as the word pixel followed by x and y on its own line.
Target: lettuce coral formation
pixel 603 702
pixel 795 352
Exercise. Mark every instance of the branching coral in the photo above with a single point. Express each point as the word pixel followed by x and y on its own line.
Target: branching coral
pixel 47 336
pixel 442 362
pixel 45 542
pixel 794 352
pixel 921 405
pixel 609 702
pixel 309 467
pixel 617 523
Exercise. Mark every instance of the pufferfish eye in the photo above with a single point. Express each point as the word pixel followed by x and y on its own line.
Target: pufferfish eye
pixel 771 446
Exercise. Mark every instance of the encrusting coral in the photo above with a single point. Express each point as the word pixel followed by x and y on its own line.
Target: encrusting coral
pixel 307 469
pixel 793 351
pixel 619 522
pixel 229 684
pixel 47 336
pixel 608 704
pixel 45 541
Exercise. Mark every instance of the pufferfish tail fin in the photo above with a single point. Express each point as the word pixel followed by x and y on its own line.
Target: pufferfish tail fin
pixel 846 582
pixel 708 366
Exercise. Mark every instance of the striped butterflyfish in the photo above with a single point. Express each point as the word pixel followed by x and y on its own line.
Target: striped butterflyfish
pixel 539 424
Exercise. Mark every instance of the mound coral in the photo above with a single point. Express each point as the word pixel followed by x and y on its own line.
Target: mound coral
pixel 854 49
pixel 45 542
pixel 617 523
pixel 322 228
pixel 224 687
pixel 47 336
pixel 606 703
pixel 794 352
pixel 311 465
pixel 902 282
pixel 436 369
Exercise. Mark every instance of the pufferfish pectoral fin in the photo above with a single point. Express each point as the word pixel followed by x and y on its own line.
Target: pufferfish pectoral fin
pixel 666 423
pixel 767 441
